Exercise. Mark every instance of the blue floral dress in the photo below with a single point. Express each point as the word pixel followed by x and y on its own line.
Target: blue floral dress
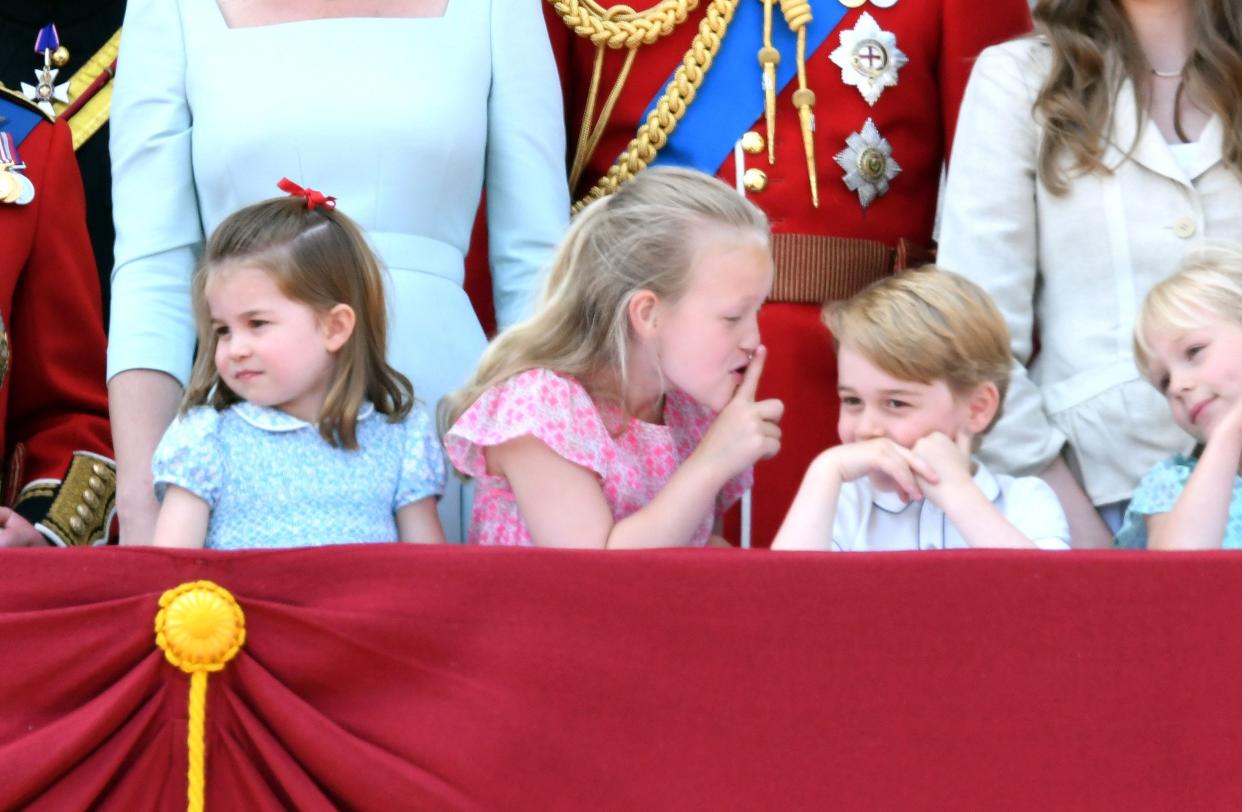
pixel 1159 492
pixel 271 480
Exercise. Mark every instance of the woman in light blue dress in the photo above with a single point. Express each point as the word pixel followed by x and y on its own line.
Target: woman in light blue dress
pixel 403 119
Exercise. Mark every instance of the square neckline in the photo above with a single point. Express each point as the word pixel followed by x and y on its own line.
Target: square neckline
pixel 224 23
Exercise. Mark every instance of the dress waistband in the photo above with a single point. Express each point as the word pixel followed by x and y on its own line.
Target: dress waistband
pixel 411 252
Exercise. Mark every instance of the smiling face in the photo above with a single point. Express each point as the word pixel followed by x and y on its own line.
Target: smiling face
pixel 876 404
pixel 270 350
pixel 704 339
pixel 1199 371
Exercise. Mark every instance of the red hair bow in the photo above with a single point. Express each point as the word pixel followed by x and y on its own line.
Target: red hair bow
pixel 313 197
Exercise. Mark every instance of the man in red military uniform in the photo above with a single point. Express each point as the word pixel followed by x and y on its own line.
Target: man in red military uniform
pixel 835 117
pixel 58 479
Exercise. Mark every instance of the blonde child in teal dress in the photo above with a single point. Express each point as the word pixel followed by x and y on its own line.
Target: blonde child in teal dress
pixel 1188 344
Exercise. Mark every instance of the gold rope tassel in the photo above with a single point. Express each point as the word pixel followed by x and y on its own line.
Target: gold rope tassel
pixel 199 627
pixel 798 16
pixel 769 58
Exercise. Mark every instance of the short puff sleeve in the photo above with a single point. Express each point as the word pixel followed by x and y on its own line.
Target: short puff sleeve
pixel 423 469
pixel 1157 493
pixel 191 456
pixel 552 408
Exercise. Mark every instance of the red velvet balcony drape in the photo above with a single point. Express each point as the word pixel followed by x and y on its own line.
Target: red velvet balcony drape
pixel 396 677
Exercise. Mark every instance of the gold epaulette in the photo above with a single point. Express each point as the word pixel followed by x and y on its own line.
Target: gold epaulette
pixel 77 510
pixel 94 78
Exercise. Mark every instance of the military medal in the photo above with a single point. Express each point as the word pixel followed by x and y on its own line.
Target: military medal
pixel 868 163
pixel 14 186
pixel 47 45
pixel 868 58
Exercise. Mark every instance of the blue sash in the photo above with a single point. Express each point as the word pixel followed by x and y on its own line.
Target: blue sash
pixel 730 99
pixel 19 120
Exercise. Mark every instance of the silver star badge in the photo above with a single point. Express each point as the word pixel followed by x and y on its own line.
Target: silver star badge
pixel 47 91
pixel 868 163
pixel 868 58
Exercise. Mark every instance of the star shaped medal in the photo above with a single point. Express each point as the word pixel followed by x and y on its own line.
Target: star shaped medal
pixel 47 45
pixel 868 58
pixel 868 163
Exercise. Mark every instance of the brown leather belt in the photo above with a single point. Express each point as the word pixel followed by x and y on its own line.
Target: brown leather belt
pixel 813 269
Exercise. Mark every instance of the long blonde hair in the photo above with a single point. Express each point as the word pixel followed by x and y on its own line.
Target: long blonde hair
pixel 319 258
pixel 1094 50
pixel 643 237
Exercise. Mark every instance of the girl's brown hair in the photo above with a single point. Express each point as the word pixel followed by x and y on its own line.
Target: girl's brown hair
pixel 1094 50
pixel 319 258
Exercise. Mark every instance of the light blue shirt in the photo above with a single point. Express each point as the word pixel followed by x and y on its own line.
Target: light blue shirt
pixel 271 480
pixel 1159 492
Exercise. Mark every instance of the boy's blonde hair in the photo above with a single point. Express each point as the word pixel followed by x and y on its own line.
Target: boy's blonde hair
pixel 643 237
pixel 1209 280
pixel 319 258
pixel 927 325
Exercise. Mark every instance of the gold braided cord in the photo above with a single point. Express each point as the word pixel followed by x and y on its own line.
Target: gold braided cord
pixel 621 26
pixel 797 13
pixel 654 132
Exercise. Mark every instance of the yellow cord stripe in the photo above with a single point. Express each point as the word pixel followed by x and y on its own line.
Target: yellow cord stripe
pixel 94 114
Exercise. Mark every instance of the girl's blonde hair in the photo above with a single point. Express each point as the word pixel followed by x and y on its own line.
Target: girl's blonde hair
pixel 927 325
pixel 1094 49
pixel 319 258
pixel 643 237
pixel 1208 281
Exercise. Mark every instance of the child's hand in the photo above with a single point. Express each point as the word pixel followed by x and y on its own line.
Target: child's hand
pixel 1230 425
pixel 950 458
pixel 890 466
pixel 15 531
pixel 745 431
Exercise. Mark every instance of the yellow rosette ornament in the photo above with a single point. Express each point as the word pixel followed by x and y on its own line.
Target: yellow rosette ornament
pixel 199 627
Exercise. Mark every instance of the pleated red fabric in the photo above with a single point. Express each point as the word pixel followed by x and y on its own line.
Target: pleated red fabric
pixel 399 677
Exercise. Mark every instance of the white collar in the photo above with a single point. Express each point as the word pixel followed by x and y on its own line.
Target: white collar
pixel 268 418
pixel 890 501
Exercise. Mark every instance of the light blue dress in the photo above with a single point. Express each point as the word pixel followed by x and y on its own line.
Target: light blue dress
pixel 271 480
pixel 1159 492
pixel 402 120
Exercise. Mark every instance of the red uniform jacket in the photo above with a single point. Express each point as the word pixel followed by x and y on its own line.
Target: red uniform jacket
pixel 58 471
pixel 940 38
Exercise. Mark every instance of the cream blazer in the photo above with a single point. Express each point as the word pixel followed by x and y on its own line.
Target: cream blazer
pixel 1074 269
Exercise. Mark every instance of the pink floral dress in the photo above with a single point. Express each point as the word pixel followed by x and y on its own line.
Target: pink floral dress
pixel 632 466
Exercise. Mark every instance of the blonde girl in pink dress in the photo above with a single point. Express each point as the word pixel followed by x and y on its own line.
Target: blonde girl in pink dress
pixel 623 414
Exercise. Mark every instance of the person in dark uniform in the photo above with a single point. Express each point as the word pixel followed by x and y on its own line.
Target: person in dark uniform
pixel 58 481
pixel 89 34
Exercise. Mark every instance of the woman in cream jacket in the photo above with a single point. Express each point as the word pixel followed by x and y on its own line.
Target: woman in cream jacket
pixel 1068 232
